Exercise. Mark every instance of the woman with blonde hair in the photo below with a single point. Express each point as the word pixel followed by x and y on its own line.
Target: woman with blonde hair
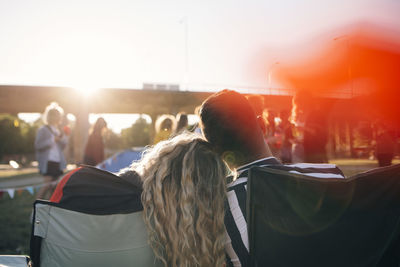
pixel 50 142
pixel 178 186
pixel 164 127
pixel 183 200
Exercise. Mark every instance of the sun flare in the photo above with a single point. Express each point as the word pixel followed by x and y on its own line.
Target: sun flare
pixel 85 91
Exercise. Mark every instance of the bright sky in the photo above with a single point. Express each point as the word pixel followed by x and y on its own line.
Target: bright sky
pixel 124 43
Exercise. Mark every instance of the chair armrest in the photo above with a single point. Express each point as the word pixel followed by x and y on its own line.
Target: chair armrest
pixel 15 261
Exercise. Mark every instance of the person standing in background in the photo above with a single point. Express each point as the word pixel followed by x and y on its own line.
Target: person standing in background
pixel 311 133
pixel 315 128
pixel 385 146
pixel 269 116
pixel 315 135
pixel 50 142
pixel 297 119
pixel 164 126
pixel 94 150
pixel 181 123
pixel 286 129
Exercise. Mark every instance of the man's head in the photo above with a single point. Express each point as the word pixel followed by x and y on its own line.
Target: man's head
pixel 229 123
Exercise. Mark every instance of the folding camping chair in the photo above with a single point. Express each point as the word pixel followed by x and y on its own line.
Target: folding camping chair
pixel 295 220
pixel 63 237
pixel 94 219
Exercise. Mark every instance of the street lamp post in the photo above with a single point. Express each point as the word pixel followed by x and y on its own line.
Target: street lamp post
pixel 349 70
pixel 269 74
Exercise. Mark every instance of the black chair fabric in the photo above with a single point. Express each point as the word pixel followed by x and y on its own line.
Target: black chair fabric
pixel 295 220
pixel 91 191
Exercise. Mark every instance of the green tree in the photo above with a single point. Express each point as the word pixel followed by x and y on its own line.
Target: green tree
pixel 112 141
pixel 28 133
pixel 137 135
pixel 17 136
pixel 10 135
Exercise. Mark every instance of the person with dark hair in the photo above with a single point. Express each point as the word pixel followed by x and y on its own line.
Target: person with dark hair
pixel 94 150
pixel 269 116
pixel 385 146
pixel 286 131
pixel 315 134
pixel 230 125
pixel 181 123
pixel 297 120
pixel 258 104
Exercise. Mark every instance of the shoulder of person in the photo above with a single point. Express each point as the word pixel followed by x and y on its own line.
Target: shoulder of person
pixel 43 132
pixel 132 177
pixel 45 129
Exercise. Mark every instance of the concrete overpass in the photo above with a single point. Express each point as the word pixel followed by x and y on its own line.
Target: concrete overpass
pixel 16 99
pixel 343 113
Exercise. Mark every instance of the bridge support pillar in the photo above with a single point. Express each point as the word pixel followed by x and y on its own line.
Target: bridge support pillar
pixel 81 132
pixel 152 133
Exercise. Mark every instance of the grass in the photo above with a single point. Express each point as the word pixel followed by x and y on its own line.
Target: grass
pixel 18 173
pixel 15 225
pixel 351 167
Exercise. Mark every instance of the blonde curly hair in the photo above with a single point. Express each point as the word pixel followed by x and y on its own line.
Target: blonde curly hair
pixel 183 200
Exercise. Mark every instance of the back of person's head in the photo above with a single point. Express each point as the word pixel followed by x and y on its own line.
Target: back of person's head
pixel 229 123
pixel 183 199
pixel 197 110
pixel 182 122
pixel 165 122
pixel 53 114
pixel 99 125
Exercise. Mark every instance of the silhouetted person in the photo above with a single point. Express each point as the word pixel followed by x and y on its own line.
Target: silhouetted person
pixel 385 147
pixel 231 126
pixel 269 116
pixel 315 134
pixel 181 123
pixel 297 118
pixel 286 131
pixel 315 137
pixel 94 150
